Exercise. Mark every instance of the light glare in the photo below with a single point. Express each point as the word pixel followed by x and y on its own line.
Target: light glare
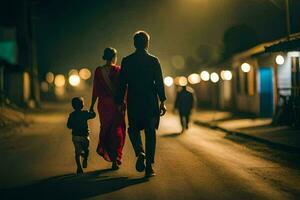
pixel 85 73
pixel 226 75
pixel 183 81
pixel 194 78
pixel 204 76
pixel 246 67
pixel 168 81
pixel 59 80
pixel 74 80
pixel 279 59
pixel 214 77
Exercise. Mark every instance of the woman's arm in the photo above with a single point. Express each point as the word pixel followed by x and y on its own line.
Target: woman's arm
pixel 95 92
pixel 94 99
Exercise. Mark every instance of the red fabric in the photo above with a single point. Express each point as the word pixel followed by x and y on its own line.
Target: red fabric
pixel 112 122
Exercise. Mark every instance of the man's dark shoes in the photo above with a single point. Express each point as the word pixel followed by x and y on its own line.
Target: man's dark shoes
pixel 149 172
pixel 140 163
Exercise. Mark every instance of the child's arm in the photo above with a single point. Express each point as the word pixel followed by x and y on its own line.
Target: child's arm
pixel 69 123
pixel 91 114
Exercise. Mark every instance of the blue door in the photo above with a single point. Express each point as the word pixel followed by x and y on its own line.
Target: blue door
pixel 266 91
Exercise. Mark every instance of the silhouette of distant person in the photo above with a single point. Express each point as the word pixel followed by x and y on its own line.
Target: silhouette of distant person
pixel 141 74
pixel 77 121
pixel 184 103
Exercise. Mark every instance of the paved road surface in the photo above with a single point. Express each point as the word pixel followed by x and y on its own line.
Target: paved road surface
pixel 37 163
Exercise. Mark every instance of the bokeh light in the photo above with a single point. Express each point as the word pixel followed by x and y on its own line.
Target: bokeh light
pixel 226 75
pixel 74 80
pixel 44 86
pixel 50 77
pixel 204 76
pixel 85 73
pixel 214 77
pixel 168 81
pixel 246 67
pixel 194 78
pixel 73 72
pixel 59 80
pixel 182 81
pixel 279 59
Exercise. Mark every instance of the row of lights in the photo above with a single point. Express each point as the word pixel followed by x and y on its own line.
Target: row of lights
pixel 75 77
pixel 196 78
pixel 214 77
pixel 246 67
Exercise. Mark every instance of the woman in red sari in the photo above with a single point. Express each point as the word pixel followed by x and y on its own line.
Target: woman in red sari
pixel 112 122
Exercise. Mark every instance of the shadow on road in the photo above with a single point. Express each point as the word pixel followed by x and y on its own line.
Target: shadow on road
pixel 71 186
pixel 171 135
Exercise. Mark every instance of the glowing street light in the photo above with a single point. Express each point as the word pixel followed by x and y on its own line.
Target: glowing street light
pixel 72 72
pixel 85 73
pixel 204 76
pixel 279 59
pixel 246 67
pixel 59 80
pixel 194 78
pixel 168 81
pixel 226 75
pixel 74 80
pixel 182 81
pixel 214 77
pixel 50 77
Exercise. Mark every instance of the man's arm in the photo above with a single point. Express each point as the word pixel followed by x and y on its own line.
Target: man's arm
pixel 159 84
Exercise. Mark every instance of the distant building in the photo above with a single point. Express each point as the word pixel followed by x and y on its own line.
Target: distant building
pixel 14 80
pixel 18 75
pixel 262 77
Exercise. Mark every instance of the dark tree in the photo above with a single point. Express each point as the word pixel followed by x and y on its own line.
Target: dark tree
pixel 239 38
pixel 205 55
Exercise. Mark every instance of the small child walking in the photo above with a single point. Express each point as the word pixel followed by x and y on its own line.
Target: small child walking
pixel 77 121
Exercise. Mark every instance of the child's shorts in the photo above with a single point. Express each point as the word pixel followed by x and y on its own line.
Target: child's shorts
pixel 81 143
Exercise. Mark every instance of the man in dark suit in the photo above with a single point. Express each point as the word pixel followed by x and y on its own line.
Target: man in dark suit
pixel 141 75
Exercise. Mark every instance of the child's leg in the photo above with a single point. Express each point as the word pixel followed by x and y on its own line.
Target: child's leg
pixel 77 159
pixel 78 149
pixel 85 147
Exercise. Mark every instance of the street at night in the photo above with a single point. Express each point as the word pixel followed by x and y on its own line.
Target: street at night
pixel 37 163
pixel 150 99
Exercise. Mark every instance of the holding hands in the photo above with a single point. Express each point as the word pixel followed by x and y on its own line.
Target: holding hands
pixel 162 108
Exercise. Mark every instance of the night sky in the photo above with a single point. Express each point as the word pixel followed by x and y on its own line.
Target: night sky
pixel 73 34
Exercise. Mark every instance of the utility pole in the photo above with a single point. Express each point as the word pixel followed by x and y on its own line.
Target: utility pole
pixel 288 19
pixel 34 63
pixel 27 52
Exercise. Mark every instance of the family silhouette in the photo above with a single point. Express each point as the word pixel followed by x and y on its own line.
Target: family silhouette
pixel 137 85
